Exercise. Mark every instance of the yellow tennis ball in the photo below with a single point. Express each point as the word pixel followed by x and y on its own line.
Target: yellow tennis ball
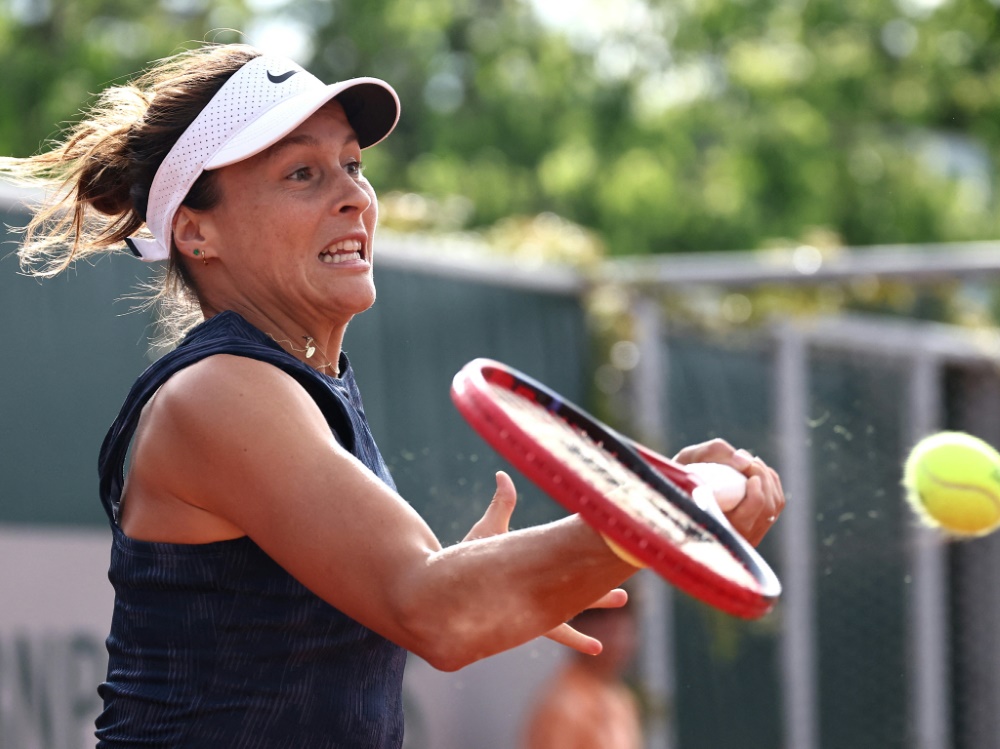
pixel 952 479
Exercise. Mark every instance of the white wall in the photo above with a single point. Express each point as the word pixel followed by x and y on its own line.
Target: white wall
pixel 55 609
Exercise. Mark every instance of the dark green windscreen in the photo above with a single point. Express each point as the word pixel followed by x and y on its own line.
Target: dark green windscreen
pixel 727 681
pixel 70 353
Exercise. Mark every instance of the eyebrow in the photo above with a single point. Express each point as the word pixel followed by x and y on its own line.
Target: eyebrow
pixel 303 139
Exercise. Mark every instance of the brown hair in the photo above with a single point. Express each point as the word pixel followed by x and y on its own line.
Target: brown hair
pixel 96 179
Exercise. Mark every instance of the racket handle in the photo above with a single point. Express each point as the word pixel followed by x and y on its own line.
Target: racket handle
pixel 727 484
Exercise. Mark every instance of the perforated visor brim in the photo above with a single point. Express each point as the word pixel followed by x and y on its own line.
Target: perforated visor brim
pixel 371 108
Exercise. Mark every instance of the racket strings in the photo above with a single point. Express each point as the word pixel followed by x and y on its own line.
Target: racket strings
pixel 626 489
pixel 607 475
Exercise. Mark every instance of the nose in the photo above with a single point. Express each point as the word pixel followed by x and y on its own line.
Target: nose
pixel 353 194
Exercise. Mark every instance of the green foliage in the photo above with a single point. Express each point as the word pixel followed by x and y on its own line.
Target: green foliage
pixel 685 126
pixel 671 125
pixel 56 55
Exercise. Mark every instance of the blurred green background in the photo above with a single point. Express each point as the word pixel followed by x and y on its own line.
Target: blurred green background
pixel 660 125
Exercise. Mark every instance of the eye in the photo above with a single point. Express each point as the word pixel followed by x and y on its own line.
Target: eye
pixel 354 167
pixel 302 174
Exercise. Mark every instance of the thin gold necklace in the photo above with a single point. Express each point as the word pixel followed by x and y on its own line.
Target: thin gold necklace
pixel 310 350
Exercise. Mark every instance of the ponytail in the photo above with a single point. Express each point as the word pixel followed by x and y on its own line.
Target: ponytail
pixel 96 180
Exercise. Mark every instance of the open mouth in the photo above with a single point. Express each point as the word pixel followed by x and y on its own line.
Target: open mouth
pixel 344 251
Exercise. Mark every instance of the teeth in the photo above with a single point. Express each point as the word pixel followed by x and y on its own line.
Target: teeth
pixel 341 257
pixel 343 251
pixel 347 245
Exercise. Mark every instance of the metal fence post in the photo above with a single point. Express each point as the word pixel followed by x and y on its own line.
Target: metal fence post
pixel 649 416
pixel 930 697
pixel 798 646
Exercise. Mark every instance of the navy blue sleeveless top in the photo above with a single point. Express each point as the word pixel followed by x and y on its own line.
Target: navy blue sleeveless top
pixel 215 645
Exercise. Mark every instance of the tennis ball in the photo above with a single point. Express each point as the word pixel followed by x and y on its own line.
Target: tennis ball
pixel 952 479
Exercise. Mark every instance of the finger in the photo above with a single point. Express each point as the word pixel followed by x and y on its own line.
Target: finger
pixel 766 513
pixel 743 515
pixel 571 638
pixel 779 489
pixel 715 451
pixel 506 495
pixel 613 599
pixel 746 516
pixel 496 519
pixel 771 488
pixel 705 452
pixel 755 515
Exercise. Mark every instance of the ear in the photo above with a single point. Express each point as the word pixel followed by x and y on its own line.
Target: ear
pixel 193 230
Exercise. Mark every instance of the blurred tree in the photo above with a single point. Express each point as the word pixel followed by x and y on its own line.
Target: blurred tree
pixel 663 125
pixel 671 125
pixel 56 54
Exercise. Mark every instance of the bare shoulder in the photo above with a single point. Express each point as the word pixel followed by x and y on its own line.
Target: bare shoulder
pixel 227 382
pixel 205 438
pixel 225 400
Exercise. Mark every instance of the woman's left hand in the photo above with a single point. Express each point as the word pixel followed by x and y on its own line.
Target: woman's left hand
pixel 495 521
pixel 564 634
pixel 764 499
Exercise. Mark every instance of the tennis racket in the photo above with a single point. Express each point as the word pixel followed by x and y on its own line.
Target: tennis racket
pixel 645 503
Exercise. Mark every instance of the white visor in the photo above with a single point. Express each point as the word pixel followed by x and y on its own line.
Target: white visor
pixel 259 105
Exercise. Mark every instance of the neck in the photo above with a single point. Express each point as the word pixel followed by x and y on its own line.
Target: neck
pixel 316 343
pixel 310 352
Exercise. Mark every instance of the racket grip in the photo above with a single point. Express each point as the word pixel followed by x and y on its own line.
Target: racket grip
pixel 622 554
pixel 727 484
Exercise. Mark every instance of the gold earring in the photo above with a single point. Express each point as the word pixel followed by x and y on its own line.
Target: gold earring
pixel 198 253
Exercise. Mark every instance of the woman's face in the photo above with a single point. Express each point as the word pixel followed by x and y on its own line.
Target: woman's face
pixel 294 228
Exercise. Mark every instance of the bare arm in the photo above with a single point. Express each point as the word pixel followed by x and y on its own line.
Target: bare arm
pixel 242 442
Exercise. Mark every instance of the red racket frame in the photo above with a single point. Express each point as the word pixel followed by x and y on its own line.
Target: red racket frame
pixel 473 398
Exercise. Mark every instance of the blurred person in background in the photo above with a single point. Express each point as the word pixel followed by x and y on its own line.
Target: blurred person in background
pixel 586 704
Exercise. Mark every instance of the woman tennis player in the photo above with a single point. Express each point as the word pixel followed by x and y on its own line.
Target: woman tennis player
pixel 269 580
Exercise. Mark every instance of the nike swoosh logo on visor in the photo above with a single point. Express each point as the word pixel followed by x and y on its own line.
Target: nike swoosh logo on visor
pixel 280 78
